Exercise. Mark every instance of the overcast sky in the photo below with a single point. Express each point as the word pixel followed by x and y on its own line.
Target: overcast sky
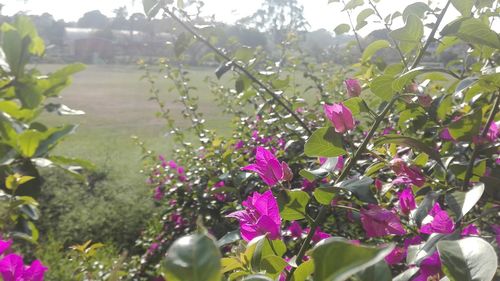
pixel 319 13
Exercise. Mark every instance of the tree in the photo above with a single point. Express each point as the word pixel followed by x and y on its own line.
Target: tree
pixel 93 19
pixel 120 21
pixel 278 17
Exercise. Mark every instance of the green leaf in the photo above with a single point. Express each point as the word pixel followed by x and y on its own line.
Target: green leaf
pixel 378 272
pixel 28 142
pixel 472 30
pixel 462 202
pixel 411 32
pixel 381 86
pixel 303 271
pixel 362 16
pixel 353 4
pixel 468 259
pixel 406 275
pixel 324 195
pixel 292 204
pixel 342 28
pixel 194 257
pixel 229 238
pixel 417 9
pixel 374 168
pixel 372 49
pixel 424 207
pixel 324 142
pixel 463 6
pixel 411 142
pixel 51 137
pixel 467 127
pixel 360 188
pixel 336 259
pixel 404 79
pixel 273 265
pixel 322 171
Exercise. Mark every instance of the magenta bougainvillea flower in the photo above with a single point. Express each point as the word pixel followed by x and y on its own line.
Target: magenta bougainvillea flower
pixel 441 222
pixel 445 135
pixel 430 267
pixel 469 230
pixel 12 268
pixel 261 216
pixel 407 174
pixel 340 116
pixel 220 196
pixel 267 166
pixel 158 194
pixel 407 201
pixel 425 100
pixel 378 222
pixel 4 245
pixel 353 87
pixel 295 230
pixel 318 235
pixel 399 253
pixel 491 136
pixel 496 228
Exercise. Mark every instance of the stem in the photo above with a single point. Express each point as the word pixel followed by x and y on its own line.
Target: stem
pixel 389 30
pixel 431 36
pixel 354 29
pixel 477 147
pixel 254 79
pixel 350 164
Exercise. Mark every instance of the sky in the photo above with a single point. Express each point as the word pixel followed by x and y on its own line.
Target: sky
pixel 319 13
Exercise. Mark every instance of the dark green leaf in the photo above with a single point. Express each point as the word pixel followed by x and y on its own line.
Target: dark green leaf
pixel 195 257
pixel 462 202
pixel 468 259
pixel 467 127
pixel 378 272
pixel 229 238
pixel 360 188
pixel 472 30
pixel 336 259
pixel 411 32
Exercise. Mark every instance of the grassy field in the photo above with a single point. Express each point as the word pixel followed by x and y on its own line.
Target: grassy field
pixel 116 104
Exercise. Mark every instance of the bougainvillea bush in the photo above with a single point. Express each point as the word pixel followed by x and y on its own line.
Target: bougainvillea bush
pixel 386 169
pixel 383 170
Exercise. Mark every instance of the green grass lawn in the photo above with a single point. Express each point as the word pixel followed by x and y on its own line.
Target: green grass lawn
pixel 116 104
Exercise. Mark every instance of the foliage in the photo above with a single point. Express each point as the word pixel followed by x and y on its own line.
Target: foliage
pixel 399 188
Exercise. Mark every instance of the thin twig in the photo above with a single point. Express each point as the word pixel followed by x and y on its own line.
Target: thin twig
pixel 236 65
pixel 389 30
pixel 430 39
pixel 354 30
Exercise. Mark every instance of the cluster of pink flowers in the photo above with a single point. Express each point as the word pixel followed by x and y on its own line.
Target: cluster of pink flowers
pixel 267 166
pixel 12 267
pixel 261 216
pixel 159 179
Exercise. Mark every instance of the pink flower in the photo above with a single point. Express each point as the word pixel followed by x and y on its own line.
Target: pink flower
pixel 380 222
pixel 239 145
pixel 445 135
pixel 378 184
pixel 353 87
pixel 469 230
pixel 4 245
pixel 158 195
pixel 172 164
pixel 340 116
pixel 496 228
pixel 267 166
pixel 261 216
pixel 295 230
pixel 12 268
pixel 219 196
pixel 429 267
pixel 340 163
pixel 441 222
pixel 318 235
pixel 491 136
pixel 397 255
pixel 307 185
pixel 407 174
pixel 407 201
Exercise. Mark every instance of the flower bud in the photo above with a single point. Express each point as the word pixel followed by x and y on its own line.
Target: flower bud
pixel 353 87
pixel 340 116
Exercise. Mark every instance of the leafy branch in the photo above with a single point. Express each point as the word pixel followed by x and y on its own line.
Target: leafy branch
pixel 239 67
